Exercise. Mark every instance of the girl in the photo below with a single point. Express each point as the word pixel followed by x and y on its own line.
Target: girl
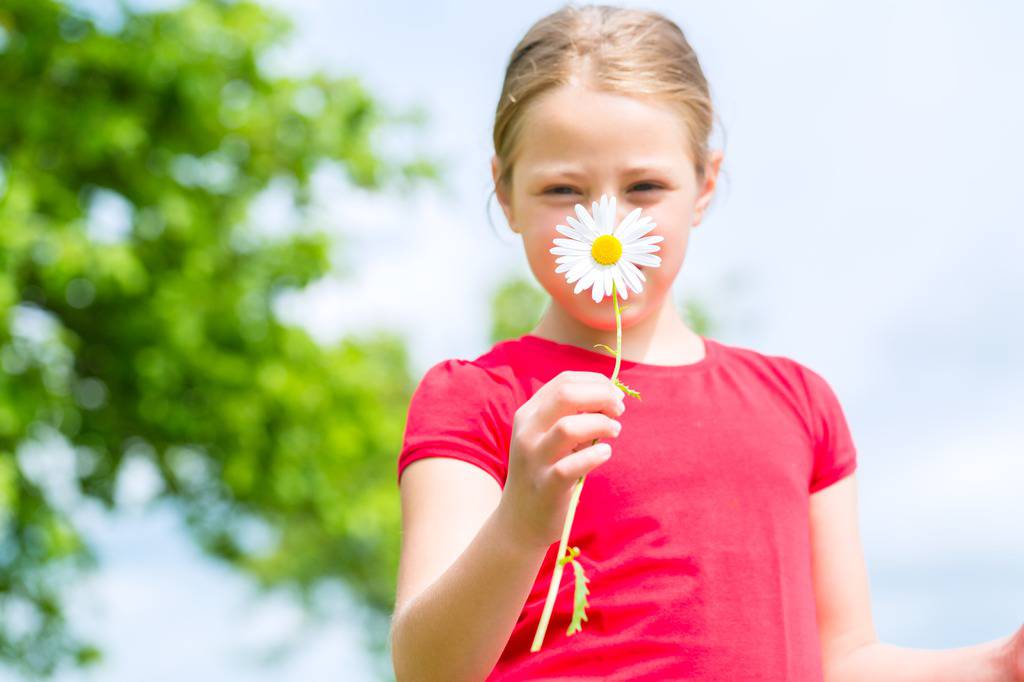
pixel 721 538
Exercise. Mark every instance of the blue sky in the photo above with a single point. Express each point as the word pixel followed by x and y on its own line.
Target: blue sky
pixel 869 226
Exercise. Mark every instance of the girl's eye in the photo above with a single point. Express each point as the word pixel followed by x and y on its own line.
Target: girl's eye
pixel 649 185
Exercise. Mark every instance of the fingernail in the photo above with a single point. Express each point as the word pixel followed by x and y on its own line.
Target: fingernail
pixel 618 427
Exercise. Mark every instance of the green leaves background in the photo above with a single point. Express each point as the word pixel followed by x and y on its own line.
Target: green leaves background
pixel 161 342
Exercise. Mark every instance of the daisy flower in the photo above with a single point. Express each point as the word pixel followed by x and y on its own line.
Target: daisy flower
pixel 606 257
pixel 597 253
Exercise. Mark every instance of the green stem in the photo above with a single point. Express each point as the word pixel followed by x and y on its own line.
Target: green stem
pixel 556 577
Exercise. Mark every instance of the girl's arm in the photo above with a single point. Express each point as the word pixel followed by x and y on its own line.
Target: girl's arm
pixel 850 648
pixel 463 574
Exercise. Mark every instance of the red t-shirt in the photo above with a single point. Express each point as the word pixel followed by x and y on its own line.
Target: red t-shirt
pixel 694 535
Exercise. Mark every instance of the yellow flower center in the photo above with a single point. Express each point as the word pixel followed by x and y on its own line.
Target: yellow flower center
pixel 606 249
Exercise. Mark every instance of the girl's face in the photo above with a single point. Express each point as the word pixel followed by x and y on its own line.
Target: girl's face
pixel 577 144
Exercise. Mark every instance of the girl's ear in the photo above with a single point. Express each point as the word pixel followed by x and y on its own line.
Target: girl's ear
pixel 495 168
pixel 710 180
pixel 499 191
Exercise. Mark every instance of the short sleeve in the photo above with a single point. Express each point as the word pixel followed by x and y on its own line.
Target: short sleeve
pixel 460 410
pixel 835 455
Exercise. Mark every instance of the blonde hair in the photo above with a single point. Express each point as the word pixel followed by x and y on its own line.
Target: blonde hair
pixel 615 49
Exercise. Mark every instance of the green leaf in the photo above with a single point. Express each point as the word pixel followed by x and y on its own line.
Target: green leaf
pixel 627 390
pixel 580 602
pixel 572 554
pixel 607 348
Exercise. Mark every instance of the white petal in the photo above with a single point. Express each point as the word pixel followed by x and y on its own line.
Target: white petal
pixel 567 263
pixel 639 229
pixel 627 222
pixel 571 233
pixel 643 259
pixel 620 283
pixel 568 251
pixel 653 239
pixel 597 293
pixel 585 218
pixel 579 270
pixel 608 215
pixel 633 270
pixel 563 251
pixel 586 280
pixel 642 248
pixel 635 233
pixel 632 275
pixel 572 244
pixel 589 234
pixel 608 279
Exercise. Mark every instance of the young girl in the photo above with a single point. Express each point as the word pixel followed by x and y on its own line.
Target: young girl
pixel 720 538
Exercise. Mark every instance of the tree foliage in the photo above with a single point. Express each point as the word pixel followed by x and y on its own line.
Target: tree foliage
pixel 516 307
pixel 136 306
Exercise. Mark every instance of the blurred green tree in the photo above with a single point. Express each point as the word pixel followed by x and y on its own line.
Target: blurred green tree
pixel 516 307
pixel 136 299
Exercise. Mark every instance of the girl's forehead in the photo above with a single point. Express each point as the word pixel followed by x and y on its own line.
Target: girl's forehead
pixel 579 112
pixel 646 152
pixel 571 124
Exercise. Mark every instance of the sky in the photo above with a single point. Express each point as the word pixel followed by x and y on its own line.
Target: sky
pixel 868 225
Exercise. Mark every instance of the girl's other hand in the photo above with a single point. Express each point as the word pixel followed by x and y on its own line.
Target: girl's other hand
pixel 551 447
pixel 1015 656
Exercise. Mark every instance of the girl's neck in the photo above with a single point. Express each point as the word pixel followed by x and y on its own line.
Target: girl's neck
pixel 661 338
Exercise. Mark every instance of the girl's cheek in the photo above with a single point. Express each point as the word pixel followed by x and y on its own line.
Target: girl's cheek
pixel 539 245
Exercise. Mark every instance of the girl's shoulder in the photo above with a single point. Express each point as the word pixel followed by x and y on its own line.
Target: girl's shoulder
pixel 779 367
pixel 487 376
pixel 459 391
pixel 798 384
pixel 463 408
pixel 813 399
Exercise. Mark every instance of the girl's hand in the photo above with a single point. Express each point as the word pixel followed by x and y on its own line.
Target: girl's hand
pixel 551 447
pixel 1015 656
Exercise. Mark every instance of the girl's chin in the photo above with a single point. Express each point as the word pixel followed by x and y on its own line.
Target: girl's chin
pixel 603 314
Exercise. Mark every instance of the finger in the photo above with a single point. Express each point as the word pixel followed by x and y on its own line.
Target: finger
pixel 577 430
pixel 572 397
pixel 566 470
pixel 567 376
pixel 580 375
